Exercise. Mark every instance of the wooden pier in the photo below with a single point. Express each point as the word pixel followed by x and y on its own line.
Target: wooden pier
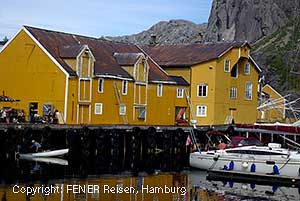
pixel 98 149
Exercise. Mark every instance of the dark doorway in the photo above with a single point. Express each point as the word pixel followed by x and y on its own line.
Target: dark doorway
pixel 33 109
pixel 234 71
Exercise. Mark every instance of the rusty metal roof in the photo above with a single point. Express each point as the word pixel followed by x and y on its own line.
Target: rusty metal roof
pixel 188 54
pixel 70 51
pixel 58 44
pixel 127 59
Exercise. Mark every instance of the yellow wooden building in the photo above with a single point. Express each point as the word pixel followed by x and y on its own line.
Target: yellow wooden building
pixel 88 80
pixel 93 81
pixel 272 105
pixel 223 79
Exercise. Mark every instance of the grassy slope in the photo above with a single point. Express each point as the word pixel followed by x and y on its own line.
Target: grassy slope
pixel 279 56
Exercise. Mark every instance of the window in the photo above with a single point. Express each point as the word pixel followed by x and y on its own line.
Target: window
pixel 247 69
pixel 180 113
pixel 180 93
pixel 124 87
pixel 122 109
pixel 234 71
pixel 142 112
pixel 98 108
pixel 227 65
pixel 100 85
pixel 248 91
pixel 201 110
pixel 159 90
pixel 202 90
pixel 233 92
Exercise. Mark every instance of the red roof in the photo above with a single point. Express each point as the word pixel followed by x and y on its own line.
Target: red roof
pixel 64 45
pixel 186 55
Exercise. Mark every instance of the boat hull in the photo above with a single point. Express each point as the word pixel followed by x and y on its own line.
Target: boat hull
pixel 287 166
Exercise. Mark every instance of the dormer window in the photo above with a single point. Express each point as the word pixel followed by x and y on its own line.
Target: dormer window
pixel 247 69
pixel 227 65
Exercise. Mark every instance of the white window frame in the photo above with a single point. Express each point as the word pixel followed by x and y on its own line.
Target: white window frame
pixel 122 109
pixel 180 92
pixel 159 90
pixel 102 85
pixel 248 95
pixel 233 93
pixel 198 90
pixel 201 111
pixel 247 69
pixel 124 87
pixel 225 66
pixel 101 108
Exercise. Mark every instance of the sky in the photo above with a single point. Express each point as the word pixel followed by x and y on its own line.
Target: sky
pixel 97 17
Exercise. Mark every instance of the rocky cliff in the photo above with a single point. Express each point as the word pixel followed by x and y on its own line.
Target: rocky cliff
pixel 271 26
pixel 167 32
pixel 248 19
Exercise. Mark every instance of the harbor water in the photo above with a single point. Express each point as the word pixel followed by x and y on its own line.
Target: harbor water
pixel 55 180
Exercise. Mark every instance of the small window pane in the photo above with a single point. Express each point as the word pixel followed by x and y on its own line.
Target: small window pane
pixel 98 108
pixel 201 110
pixel 124 87
pixel 100 85
pixel 142 112
pixel 180 93
pixel 122 109
pixel 233 92
pixel 202 90
pixel 248 92
pixel 159 90
pixel 247 69
pixel 227 65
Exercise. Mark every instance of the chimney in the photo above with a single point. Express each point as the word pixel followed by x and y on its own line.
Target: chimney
pixel 200 38
pixel 152 40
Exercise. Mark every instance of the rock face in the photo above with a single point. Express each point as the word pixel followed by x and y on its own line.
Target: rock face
pixel 167 32
pixel 271 26
pixel 249 20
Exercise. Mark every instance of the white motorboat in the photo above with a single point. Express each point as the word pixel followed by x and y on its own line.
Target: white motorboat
pixel 271 159
pixel 52 153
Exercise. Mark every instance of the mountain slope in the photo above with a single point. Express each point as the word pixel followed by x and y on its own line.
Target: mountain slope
pixel 279 54
pixel 167 32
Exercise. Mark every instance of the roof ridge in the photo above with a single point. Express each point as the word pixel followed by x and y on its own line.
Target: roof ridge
pixel 66 33
pixel 100 39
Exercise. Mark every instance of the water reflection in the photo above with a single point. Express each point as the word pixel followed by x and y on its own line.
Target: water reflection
pixel 33 180
pixel 217 190
pixel 110 187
